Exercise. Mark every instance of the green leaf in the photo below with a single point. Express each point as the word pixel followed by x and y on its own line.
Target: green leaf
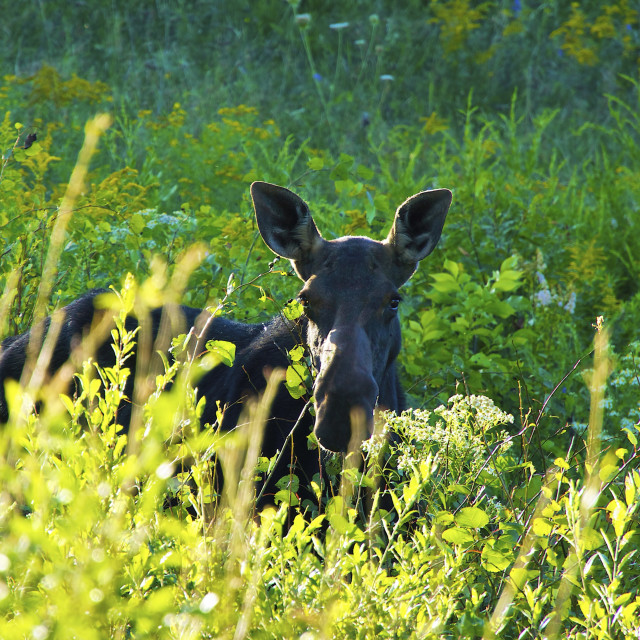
pixel 552 557
pixel 316 164
pixel 629 490
pixel 436 334
pixel 618 514
pixel 137 223
pixel 457 536
pixel 541 527
pixel 631 436
pixel 471 518
pixel 508 280
pixel 458 488
pixel 364 172
pixel 293 309
pixel 519 577
pixel 297 353
pixel 296 374
pixel 33 150
pixel 482 360
pixel 289 482
pixel 341 170
pixel 443 517
pixel 607 472
pixel 481 181
pixel 224 351
pixel 452 267
pixel 500 308
pixel 495 560
pixel 94 387
pixel 590 539
pixel 342 526
pixel 296 378
pixel 396 502
pixel 68 404
pixel 444 283
pixel 284 496
pixel 410 491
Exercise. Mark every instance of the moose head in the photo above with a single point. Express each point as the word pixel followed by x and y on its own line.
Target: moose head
pixel 350 298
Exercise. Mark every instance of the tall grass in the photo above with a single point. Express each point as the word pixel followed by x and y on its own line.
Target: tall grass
pixel 89 547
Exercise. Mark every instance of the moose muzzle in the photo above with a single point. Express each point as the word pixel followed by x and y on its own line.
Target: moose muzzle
pixel 345 390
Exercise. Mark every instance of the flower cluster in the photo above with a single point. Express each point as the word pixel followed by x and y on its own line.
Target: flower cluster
pixel 583 33
pixel 457 434
pixel 478 409
pixel 544 297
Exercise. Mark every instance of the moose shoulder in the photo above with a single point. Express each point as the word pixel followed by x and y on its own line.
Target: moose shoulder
pixel 350 328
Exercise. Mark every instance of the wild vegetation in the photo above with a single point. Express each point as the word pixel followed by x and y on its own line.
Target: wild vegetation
pixel 515 478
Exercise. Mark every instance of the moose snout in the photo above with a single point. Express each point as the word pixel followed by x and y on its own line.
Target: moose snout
pixel 346 391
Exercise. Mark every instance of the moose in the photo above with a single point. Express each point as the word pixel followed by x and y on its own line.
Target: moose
pixel 349 328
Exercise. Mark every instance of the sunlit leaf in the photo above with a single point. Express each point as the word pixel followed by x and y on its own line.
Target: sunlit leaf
pixel 457 535
pixel 224 351
pixel 471 518
pixel 495 560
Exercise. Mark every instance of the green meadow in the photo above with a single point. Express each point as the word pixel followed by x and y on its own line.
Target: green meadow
pixel 130 133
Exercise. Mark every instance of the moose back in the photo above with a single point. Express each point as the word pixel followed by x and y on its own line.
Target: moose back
pixel 349 328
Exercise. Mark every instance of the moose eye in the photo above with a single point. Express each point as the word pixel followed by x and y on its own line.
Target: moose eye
pixel 394 303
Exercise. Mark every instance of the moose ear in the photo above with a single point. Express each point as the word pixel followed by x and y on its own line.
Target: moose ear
pixel 285 223
pixel 416 229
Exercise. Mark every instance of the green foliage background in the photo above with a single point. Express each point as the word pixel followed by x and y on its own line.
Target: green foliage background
pixel 529 112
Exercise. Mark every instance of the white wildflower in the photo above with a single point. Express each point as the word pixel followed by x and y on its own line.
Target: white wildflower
pixel 459 435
